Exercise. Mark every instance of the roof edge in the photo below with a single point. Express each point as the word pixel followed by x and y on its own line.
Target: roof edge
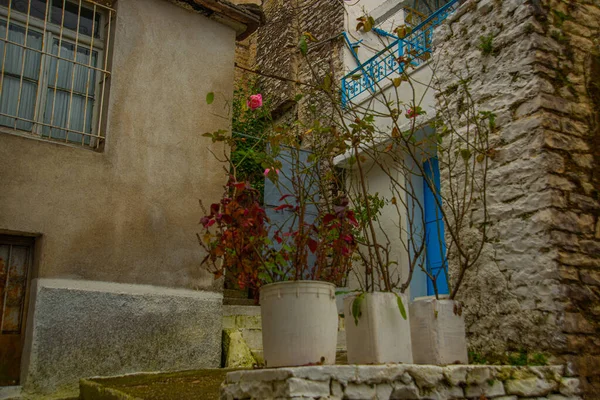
pixel 246 18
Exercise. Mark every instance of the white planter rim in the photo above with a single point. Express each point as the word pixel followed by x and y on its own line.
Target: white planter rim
pixel 270 285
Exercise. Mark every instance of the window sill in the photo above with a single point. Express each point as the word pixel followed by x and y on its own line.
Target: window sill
pixel 28 135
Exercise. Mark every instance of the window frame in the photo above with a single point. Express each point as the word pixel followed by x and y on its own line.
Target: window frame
pixel 51 32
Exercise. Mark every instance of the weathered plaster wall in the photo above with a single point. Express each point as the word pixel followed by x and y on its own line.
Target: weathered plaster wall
pixel 537 285
pixel 129 214
pixel 83 328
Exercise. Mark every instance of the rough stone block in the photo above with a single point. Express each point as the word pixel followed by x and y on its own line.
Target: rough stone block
pixel 405 392
pixel 530 387
pixel 577 323
pixel 360 391
pixel 590 277
pixel 380 373
pixel 384 391
pixel 256 389
pixel 336 389
pixel 456 374
pixel 491 388
pixel 301 387
pixel 570 386
pixel 236 352
pixel 426 376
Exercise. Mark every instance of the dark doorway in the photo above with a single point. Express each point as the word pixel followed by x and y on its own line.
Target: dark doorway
pixel 16 256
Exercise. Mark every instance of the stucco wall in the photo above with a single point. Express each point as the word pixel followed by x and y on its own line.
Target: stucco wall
pixel 129 214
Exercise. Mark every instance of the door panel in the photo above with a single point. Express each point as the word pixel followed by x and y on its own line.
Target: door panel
pixel 434 229
pixel 16 255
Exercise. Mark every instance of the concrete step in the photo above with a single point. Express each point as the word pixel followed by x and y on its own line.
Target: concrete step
pixel 238 302
pixel 235 294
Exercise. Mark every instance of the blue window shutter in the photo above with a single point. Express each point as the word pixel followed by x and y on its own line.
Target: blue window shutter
pixel 434 229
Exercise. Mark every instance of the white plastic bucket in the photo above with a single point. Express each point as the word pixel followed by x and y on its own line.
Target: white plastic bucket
pixel 299 323
pixel 381 335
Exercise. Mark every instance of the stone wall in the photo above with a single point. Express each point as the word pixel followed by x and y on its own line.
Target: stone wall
pixel 537 287
pixel 402 382
pixel 278 53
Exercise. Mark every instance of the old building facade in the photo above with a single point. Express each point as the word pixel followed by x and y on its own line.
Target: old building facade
pixel 101 174
pixel 534 65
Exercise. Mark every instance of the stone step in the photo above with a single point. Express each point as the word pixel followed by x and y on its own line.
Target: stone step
pixel 235 294
pixel 238 302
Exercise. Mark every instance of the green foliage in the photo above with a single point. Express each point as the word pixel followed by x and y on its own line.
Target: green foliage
pixel 401 307
pixel 558 36
pixel 518 359
pixel 538 359
pixel 521 358
pixel 356 312
pixel 210 97
pixel 476 358
pixel 249 127
pixel 486 44
pixel 560 18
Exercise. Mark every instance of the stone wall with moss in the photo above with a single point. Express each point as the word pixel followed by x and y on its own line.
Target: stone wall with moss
pixel 536 65
pixel 400 381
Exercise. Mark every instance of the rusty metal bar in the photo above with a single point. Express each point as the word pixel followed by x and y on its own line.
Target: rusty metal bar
pixel 75 50
pixel 45 92
pixel 87 81
pixel 23 56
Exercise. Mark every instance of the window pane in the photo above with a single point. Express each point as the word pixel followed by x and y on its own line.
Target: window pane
pixel 13 61
pixel 71 13
pixel 83 79
pixel 61 114
pixel 9 103
pixel 18 97
pixel 38 7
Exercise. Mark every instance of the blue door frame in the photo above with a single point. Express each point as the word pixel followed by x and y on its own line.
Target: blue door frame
pixel 434 229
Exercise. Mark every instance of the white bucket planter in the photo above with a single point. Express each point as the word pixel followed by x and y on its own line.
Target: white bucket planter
pixel 299 323
pixel 438 331
pixel 382 335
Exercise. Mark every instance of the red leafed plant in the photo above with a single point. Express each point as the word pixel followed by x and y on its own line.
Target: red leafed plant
pixel 328 239
pixel 235 235
pixel 236 240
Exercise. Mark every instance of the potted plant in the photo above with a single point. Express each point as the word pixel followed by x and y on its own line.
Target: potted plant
pixel 293 253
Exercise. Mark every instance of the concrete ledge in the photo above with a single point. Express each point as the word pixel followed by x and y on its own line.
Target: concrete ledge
pixel 402 381
pixel 82 328
pixel 202 384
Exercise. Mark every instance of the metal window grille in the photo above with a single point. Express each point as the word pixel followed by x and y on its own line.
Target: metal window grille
pixel 54 69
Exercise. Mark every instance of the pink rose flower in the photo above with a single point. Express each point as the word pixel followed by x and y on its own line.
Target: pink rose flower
pixel 411 113
pixel 266 173
pixel 255 101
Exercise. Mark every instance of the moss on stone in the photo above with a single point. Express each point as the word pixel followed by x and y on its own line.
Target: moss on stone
pixel 187 385
pixel 236 353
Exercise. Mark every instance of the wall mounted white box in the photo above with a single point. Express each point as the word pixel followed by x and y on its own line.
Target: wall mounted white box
pixel 438 331
pixel 382 335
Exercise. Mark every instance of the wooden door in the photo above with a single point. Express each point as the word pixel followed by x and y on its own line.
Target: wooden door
pixel 16 255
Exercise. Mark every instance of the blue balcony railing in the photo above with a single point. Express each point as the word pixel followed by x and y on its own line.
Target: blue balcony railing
pixel 414 49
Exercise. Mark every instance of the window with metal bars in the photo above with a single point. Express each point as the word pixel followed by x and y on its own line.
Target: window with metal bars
pixel 54 68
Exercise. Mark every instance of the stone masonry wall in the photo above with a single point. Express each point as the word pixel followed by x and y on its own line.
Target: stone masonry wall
pixel 278 53
pixel 402 382
pixel 537 287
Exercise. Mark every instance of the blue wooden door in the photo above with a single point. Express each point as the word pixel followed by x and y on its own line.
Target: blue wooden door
pixel 434 229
